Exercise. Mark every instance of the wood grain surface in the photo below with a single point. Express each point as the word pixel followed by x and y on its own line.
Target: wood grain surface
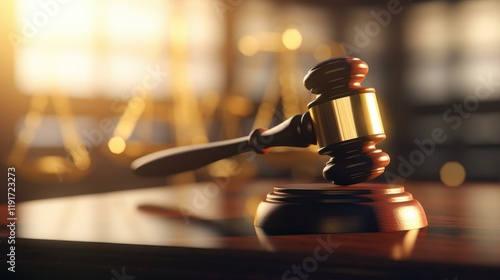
pixel 205 231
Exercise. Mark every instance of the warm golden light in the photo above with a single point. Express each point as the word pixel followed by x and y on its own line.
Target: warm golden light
pixel 452 174
pixel 144 22
pixel 238 105
pixel 372 110
pixel 404 249
pixel 248 45
pixel 322 52
pixel 50 164
pixel 128 121
pixel 292 39
pixel 199 139
pixel 475 20
pixel 117 145
pixel 82 160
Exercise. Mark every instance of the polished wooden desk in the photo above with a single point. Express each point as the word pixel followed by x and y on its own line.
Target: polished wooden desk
pixel 204 231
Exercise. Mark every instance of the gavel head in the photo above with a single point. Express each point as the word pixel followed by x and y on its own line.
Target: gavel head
pixel 346 121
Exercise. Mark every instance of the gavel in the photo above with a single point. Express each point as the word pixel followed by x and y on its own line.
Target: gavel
pixel 344 121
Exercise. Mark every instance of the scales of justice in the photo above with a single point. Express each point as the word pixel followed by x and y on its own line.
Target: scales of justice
pixel 344 121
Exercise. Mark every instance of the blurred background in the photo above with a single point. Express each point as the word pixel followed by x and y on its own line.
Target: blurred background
pixel 88 86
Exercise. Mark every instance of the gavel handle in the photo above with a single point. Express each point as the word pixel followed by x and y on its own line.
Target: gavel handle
pixel 179 159
pixel 296 131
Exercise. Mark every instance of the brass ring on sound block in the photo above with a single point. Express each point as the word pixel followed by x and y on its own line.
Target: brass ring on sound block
pixel 323 208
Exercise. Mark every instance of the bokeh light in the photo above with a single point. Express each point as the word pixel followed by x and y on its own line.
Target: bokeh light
pixel 292 39
pixel 452 174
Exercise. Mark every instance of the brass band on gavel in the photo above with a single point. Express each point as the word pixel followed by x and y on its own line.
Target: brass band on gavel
pixel 346 118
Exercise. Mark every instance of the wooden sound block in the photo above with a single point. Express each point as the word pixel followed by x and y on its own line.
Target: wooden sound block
pixel 323 208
